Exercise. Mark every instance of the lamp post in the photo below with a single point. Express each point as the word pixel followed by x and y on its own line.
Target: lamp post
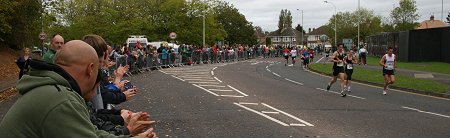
pixel 302 26
pixel 335 18
pixel 359 21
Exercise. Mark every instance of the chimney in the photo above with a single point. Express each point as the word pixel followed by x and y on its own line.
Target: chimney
pixel 314 29
pixel 309 30
pixel 432 18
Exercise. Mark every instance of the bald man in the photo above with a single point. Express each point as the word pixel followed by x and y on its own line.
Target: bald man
pixel 53 97
pixel 56 44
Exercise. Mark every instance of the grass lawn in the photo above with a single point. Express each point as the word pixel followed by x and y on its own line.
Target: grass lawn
pixel 401 81
pixel 439 67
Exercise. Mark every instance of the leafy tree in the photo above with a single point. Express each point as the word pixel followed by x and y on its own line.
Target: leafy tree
pixel 285 19
pixel 405 16
pixel 448 18
pixel 299 28
pixel 268 41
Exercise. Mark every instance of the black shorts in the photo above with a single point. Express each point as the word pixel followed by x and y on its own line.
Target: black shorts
pixel 305 62
pixel 293 57
pixel 388 72
pixel 286 57
pixel 337 70
pixel 349 73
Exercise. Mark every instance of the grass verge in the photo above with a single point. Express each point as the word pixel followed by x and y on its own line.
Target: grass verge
pixel 401 81
pixel 437 67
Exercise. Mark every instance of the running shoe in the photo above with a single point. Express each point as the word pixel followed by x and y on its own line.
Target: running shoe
pixel 384 92
pixel 343 94
pixel 348 89
pixel 328 87
pixel 345 87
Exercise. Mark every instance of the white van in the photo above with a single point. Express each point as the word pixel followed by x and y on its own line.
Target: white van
pixel 133 39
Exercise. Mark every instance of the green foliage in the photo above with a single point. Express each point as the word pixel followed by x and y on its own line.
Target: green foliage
pixel 347 24
pixel 405 16
pixel 268 41
pixel 285 19
pixel 300 28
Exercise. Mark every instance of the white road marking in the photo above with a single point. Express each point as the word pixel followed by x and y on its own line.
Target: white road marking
pixel 293 81
pixel 269 70
pixel 255 63
pixel 212 86
pixel 298 119
pixel 269 112
pixel 196 77
pixel 212 73
pixel 237 90
pixel 214 68
pixel 215 94
pixel 236 96
pixel 177 78
pixel 319 60
pixel 220 90
pixel 163 72
pixel 276 74
pixel 259 113
pixel 218 79
pixel 188 79
pixel 340 93
pixel 267 67
pixel 205 82
pixel 248 103
pixel 446 116
pixel 297 125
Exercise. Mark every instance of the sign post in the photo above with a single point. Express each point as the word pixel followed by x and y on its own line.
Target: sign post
pixel 173 36
pixel 42 36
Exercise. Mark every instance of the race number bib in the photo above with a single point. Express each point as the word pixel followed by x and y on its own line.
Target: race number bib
pixel 390 65
pixel 341 64
pixel 349 66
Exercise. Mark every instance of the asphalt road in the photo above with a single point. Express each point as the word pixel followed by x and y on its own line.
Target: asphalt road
pixel 264 98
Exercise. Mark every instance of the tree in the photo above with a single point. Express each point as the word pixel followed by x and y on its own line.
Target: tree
pixel 239 30
pixel 259 30
pixel 268 41
pixel 285 19
pixel 299 28
pixel 405 16
pixel 448 18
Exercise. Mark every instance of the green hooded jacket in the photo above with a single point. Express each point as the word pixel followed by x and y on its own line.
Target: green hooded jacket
pixel 49 56
pixel 51 106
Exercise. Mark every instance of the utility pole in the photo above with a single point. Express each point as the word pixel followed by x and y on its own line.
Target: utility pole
pixel 359 21
pixel 301 31
pixel 335 18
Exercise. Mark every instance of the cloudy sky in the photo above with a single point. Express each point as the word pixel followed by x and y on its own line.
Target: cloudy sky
pixel 265 13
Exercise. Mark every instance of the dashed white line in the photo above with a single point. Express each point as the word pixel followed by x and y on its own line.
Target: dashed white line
pixel 248 103
pixel 236 96
pixel 264 115
pixel 188 79
pixel 163 72
pixel 297 125
pixel 237 90
pixel 276 74
pixel 340 93
pixel 267 67
pixel 211 86
pixel 214 68
pixel 205 82
pixel 212 73
pixel 298 119
pixel 215 94
pixel 177 78
pixel 218 79
pixel 269 112
pixel 293 81
pixel 446 116
pixel 220 90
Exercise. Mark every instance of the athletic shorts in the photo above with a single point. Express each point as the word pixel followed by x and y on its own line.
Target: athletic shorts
pixel 388 72
pixel 286 57
pixel 306 62
pixel 293 57
pixel 349 73
pixel 337 70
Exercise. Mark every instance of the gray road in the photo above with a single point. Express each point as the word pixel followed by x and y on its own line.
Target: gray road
pixel 264 98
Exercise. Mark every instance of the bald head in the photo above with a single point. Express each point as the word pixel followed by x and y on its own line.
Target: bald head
pixel 80 60
pixel 57 42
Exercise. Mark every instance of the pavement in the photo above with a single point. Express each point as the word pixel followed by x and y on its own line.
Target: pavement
pixel 264 98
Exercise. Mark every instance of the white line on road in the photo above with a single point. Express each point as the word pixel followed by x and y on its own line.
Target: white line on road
pixel 248 103
pixel 275 74
pixel 425 112
pixel 177 78
pixel 189 79
pixel 298 119
pixel 205 82
pixel 293 81
pixel 214 68
pixel 212 86
pixel 340 93
pixel 269 70
pixel 254 63
pixel 269 112
pixel 220 90
pixel 267 67
pixel 163 72
pixel 218 79
pixel 212 73
pixel 237 90
pixel 297 125
pixel 236 96
pixel 196 77
pixel 319 60
pixel 215 94
pixel 266 116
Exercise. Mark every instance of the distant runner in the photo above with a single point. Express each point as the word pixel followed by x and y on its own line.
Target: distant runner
pixel 389 64
pixel 306 55
pixel 293 55
pixel 338 68
pixel 286 55
pixel 350 60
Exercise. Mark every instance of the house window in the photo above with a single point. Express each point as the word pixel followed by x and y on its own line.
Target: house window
pixel 293 39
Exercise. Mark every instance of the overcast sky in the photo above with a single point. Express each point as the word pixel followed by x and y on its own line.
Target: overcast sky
pixel 265 13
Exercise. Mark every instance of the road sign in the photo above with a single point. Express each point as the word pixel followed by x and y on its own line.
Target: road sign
pixel 42 35
pixel 347 42
pixel 173 35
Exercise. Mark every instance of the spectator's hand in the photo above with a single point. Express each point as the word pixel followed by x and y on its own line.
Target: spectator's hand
pixel 129 93
pixel 125 115
pixel 136 126
pixel 110 64
pixel 147 134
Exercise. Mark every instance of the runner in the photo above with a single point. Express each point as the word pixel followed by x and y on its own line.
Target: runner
pixel 306 55
pixel 293 55
pixel 338 68
pixel 350 59
pixel 286 55
pixel 389 64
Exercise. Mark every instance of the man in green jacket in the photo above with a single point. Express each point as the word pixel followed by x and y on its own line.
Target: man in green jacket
pixel 53 98
pixel 56 44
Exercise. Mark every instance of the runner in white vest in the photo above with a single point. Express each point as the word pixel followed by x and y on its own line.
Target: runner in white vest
pixel 389 64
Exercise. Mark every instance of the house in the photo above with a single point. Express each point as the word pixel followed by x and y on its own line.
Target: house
pixel 314 36
pixel 431 23
pixel 286 37
pixel 261 38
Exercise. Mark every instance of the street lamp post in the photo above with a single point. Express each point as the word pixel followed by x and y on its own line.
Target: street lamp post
pixel 302 26
pixel 335 18
pixel 359 21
